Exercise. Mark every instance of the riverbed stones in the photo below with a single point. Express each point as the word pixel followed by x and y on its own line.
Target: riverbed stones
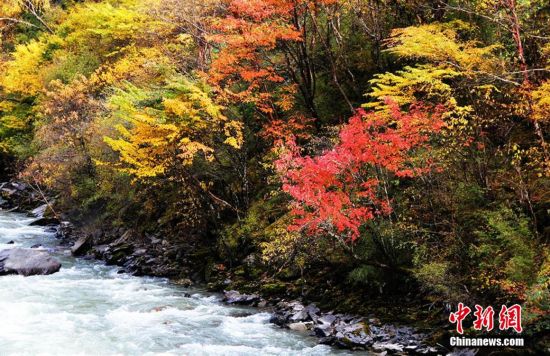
pixel 18 196
pixel 307 313
pixel 234 297
pixel 27 262
pixel 348 331
pixel 301 326
pixel 44 221
pixel 81 245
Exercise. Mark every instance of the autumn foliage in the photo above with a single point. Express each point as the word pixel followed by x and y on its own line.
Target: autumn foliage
pixel 338 191
pixel 247 67
pixel 237 122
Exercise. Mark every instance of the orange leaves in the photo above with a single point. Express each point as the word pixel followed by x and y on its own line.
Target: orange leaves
pixel 279 131
pixel 246 65
pixel 340 190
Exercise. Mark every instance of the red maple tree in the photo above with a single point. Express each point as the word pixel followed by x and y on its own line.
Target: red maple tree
pixel 339 190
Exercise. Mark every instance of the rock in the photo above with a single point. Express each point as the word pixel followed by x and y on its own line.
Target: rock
pixel 307 313
pixel 234 297
pixel 27 262
pixel 36 246
pixel 39 212
pixel 323 330
pixel 241 314
pixel 155 240
pixel 350 331
pixel 278 319
pixel 326 319
pixel 45 222
pixel 140 252
pixel 52 229
pixel 81 246
pixel 353 328
pixel 11 242
pixel 64 230
pixel 384 346
pixel 185 282
pixel 375 321
pixel 118 254
pixel 300 326
pixel 19 196
pixel 327 340
pixel 463 352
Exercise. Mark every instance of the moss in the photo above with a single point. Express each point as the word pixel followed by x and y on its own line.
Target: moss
pixel 434 276
pixel 274 288
pixel 239 271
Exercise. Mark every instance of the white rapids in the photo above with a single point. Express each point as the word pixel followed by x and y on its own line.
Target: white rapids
pixel 89 309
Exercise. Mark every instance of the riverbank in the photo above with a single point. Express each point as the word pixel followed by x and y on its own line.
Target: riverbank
pixel 190 263
pixel 89 308
pixel 184 265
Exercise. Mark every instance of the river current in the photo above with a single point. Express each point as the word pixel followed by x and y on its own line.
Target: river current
pixel 87 308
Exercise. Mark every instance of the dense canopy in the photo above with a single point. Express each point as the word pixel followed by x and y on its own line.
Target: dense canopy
pixel 354 141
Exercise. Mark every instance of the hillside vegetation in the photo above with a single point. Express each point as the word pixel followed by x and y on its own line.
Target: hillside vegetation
pixel 347 148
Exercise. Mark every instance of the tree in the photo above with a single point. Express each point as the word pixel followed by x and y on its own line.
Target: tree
pixel 342 189
pixel 186 123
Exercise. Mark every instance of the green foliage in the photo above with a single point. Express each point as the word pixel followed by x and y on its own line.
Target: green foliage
pixel 538 298
pixel 434 277
pixel 366 276
pixel 506 250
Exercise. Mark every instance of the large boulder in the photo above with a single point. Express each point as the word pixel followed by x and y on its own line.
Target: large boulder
pixel 81 245
pixel 45 222
pixel 27 262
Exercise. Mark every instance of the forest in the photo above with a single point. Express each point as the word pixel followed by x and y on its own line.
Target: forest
pixel 371 156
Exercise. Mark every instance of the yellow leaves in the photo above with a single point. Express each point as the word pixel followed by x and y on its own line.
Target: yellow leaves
pixel 22 74
pixel 12 122
pixel 12 8
pixel 105 23
pixel 424 83
pixel 448 58
pixel 439 43
pixel 189 149
pixel 142 147
pixel 541 102
pixel 185 124
pixel 88 36
pixel 137 65
pixel 233 133
pixel 178 107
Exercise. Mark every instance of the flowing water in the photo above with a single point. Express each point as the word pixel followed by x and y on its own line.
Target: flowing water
pixel 89 309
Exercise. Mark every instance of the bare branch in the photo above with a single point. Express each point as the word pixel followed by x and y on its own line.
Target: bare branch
pixel 10 19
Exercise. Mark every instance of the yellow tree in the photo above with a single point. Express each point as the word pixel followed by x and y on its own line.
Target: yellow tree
pixel 182 123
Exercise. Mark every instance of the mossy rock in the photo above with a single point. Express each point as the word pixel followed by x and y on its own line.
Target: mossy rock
pixel 274 288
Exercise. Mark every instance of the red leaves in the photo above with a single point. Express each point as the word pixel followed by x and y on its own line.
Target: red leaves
pixel 341 189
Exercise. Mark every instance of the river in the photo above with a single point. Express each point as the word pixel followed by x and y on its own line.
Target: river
pixel 87 308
